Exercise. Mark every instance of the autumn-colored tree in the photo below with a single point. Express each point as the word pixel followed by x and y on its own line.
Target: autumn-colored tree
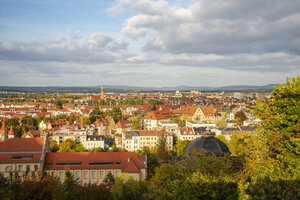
pixel 240 117
pixel 279 140
pixel 180 147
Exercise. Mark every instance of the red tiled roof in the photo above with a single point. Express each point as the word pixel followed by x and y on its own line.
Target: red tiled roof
pixel 130 167
pixel 11 131
pixel 208 110
pixel 153 133
pixel 11 158
pixel 186 131
pixel 86 159
pixel 22 145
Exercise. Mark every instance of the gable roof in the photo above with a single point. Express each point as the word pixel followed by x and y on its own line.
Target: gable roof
pixel 22 145
pixel 130 167
pixel 93 160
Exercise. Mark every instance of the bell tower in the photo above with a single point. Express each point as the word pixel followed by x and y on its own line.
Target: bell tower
pixel 3 132
pixel 102 93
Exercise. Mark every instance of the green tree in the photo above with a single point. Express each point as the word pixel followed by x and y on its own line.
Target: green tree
pixel 71 118
pixel 163 155
pixel 279 140
pixel 29 121
pixel 136 123
pixel 152 161
pixel 203 177
pixel 130 189
pixel 54 146
pixel 95 114
pixel 109 179
pixel 180 147
pixel 79 148
pixel 67 146
pixel 12 122
pixel 69 186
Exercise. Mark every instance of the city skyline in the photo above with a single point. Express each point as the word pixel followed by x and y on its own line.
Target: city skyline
pixel 148 43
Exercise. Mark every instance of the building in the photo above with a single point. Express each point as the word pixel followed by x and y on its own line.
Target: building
pixel 130 140
pixel 149 138
pixel 102 93
pixel 30 156
pixel 22 155
pixel 3 132
pixel 151 121
pixel 93 141
pixel 93 167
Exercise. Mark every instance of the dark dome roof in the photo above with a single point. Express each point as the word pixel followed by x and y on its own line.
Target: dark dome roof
pixel 207 145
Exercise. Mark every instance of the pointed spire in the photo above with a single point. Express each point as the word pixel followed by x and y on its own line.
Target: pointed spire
pixel 11 131
pixel 3 127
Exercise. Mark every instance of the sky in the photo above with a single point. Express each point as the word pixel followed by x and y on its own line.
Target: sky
pixel 148 42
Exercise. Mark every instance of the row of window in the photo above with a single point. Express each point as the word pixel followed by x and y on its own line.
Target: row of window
pixel 21 168
pixel 85 174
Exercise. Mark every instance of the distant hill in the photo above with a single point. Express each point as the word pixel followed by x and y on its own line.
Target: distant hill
pixel 125 88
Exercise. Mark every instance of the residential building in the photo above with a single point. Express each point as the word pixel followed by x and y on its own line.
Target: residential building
pixel 93 167
pixel 149 138
pixel 22 155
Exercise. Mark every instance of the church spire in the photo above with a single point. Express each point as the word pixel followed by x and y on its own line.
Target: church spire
pixel 11 133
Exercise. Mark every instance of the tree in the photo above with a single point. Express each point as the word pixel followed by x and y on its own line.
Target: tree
pixel 29 121
pixel 95 114
pixel 113 148
pixel 71 118
pixel 67 146
pixel 240 117
pixel 279 140
pixel 152 161
pixel 163 155
pixel 109 179
pixel 203 177
pixel 136 123
pixel 180 147
pixel 80 148
pixel 69 185
pixel 12 122
pixel 221 122
pixel 53 146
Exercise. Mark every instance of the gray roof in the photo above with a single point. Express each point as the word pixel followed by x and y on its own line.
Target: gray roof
pixel 128 134
pixel 207 145
pixel 203 131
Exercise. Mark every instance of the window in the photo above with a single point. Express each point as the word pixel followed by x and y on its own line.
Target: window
pixel 77 175
pixel 61 176
pixel 93 174
pixel 20 168
pixel 101 174
pixel 36 167
pixel 86 173
pixel 53 174
pixel 27 168
pixel 8 169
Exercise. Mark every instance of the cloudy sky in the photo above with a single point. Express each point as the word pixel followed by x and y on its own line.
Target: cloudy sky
pixel 148 42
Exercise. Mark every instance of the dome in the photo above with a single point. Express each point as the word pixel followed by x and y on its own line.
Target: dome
pixel 208 146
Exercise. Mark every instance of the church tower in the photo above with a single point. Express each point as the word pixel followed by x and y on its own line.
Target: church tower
pixel 3 132
pixel 102 93
pixel 11 133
